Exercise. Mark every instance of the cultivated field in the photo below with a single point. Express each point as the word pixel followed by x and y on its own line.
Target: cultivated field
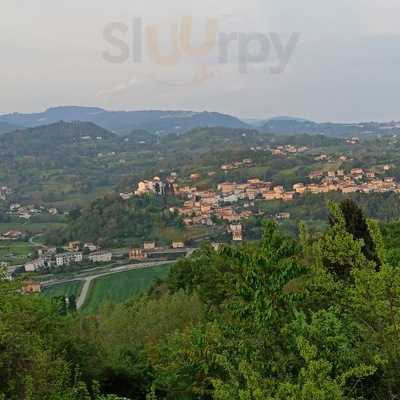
pixel 15 252
pixel 118 288
pixel 65 289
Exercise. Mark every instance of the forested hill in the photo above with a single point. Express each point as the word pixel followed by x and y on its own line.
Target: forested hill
pixel 49 138
pixel 58 133
pixel 62 156
pixel 111 220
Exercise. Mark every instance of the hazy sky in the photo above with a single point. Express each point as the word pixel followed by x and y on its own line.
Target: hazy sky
pixel 343 65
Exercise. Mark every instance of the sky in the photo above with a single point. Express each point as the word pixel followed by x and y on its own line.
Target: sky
pixel 327 61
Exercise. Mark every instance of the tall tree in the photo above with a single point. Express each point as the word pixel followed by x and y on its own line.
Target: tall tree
pixel 357 225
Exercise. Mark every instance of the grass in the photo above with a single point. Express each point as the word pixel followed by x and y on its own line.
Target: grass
pixel 15 252
pixel 64 289
pixel 118 288
pixel 33 227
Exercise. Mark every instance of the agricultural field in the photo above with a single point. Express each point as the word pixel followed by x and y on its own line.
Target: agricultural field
pixel 118 288
pixel 66 289
pixel 15 253
pixel 31 227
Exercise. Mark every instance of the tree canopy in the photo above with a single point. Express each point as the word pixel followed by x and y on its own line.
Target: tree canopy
pixel 306 317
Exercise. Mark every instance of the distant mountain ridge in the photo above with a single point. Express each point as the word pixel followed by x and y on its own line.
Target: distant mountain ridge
pixel 299 126
pixel 161 123
pixel 124 122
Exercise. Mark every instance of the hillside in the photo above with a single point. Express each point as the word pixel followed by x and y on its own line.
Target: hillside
pixel 57 158
pixel 111 219
pixel 123 122
pixel 5 127
pixel 308 316
pixel 58 133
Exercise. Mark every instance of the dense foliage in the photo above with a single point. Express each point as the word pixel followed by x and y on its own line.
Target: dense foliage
pixel 111 220
pixel 311 317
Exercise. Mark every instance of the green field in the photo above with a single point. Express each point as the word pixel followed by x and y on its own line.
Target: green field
pixel 33 227
pixel 66 289
pixel 15 252
pixel 118 288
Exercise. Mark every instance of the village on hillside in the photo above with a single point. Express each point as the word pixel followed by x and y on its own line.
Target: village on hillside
pixel 203 207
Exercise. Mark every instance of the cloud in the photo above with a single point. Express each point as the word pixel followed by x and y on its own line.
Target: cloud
pixel 118 88
pixel 344 68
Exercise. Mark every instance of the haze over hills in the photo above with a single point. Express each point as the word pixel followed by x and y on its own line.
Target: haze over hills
pixel 165 122
pixel 298 126
pixel 124 122
pixel 6 127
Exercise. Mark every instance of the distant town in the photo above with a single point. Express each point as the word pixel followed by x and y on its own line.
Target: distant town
pixel 203 207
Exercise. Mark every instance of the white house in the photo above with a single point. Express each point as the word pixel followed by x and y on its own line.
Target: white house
pixel 32 266
pixel 100 256
pixel 178 245
pixel 149 245
pixel 68 258
pixel 90 246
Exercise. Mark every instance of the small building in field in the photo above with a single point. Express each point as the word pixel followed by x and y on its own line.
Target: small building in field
pixel 30 286
pixel 178 245
pixel 90 246
pixel 32 266
pixel 74 246
pixel 149 246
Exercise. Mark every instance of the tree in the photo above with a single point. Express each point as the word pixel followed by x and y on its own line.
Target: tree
pixel 357 225
pixel 339 251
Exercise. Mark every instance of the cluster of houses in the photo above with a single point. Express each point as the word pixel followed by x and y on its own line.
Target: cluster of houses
pixel 200 206
pixel 152 186
pixel 50 258
pixel 288 149
pixel 203 207
pixel 207 206
pixel 27 212
pixel 5 191
pixel 237 164
pixel 155 186
pixel 281 150
pixel 357 180
pixel 353 140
